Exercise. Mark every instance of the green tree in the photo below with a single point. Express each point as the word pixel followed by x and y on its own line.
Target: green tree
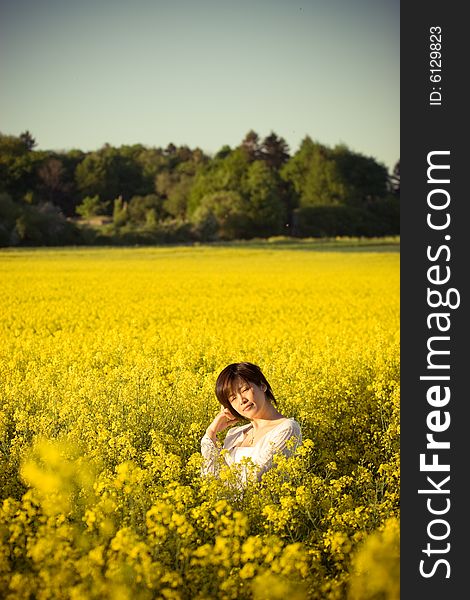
pixel 223 214
pixel 28 140
pixel 44 225
pixel 120 212
pixel 264 207
pixel 95 177
pixel 18 166
pixel 251 145
pixel 109 173
pixel 394 180
pixel 267 199
pixel 315 176
pixel 223 173
pixel 52 183
pixel 9 212
pixel 365 180
pixel 152 161
pixel 274 150
pixel 92 206
pixel 176 203
pixel 223 152
pixel 141 207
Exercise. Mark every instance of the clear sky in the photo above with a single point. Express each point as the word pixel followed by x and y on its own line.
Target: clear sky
pixel 82 73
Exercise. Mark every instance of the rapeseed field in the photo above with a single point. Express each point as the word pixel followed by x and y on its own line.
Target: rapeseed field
pixel 108 360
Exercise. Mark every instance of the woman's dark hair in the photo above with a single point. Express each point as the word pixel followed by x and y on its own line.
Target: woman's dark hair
pixel 229 381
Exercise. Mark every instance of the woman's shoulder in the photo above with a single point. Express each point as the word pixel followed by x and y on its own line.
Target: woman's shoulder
pixel 287 428
pixel 288 425
pixel 290 422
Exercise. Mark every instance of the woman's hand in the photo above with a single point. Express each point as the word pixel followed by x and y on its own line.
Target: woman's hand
pixel 223 420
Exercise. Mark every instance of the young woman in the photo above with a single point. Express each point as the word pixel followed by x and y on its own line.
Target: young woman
pixel 245 394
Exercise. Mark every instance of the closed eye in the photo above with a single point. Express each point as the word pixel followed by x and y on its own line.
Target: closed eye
pixel 232 398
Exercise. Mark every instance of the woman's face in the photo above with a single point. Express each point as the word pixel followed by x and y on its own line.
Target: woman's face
pixel 248 399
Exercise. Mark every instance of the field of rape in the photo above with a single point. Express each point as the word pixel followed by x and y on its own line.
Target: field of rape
pixel 108 360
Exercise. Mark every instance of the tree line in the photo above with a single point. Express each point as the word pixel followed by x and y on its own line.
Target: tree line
pixel 140 194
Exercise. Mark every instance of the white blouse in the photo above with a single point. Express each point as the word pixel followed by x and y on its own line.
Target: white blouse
pixel 261 453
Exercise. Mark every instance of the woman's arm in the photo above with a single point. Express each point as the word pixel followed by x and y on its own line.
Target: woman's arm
pixel 210 451
pixel 210 448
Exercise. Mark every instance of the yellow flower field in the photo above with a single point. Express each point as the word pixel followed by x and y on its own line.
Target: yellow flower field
pixel 108 360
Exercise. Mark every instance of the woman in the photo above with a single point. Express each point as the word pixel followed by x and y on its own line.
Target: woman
pixel 244 393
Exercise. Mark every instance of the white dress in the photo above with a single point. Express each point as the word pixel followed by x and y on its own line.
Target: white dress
pixel 261 453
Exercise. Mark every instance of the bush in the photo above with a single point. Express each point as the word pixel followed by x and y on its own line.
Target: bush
pixel 91 206
pixel 141 207
pixel 381 218
pixel 9 212
pixel 43 225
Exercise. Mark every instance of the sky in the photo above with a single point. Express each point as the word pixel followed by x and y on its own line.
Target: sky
pixel 79 74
